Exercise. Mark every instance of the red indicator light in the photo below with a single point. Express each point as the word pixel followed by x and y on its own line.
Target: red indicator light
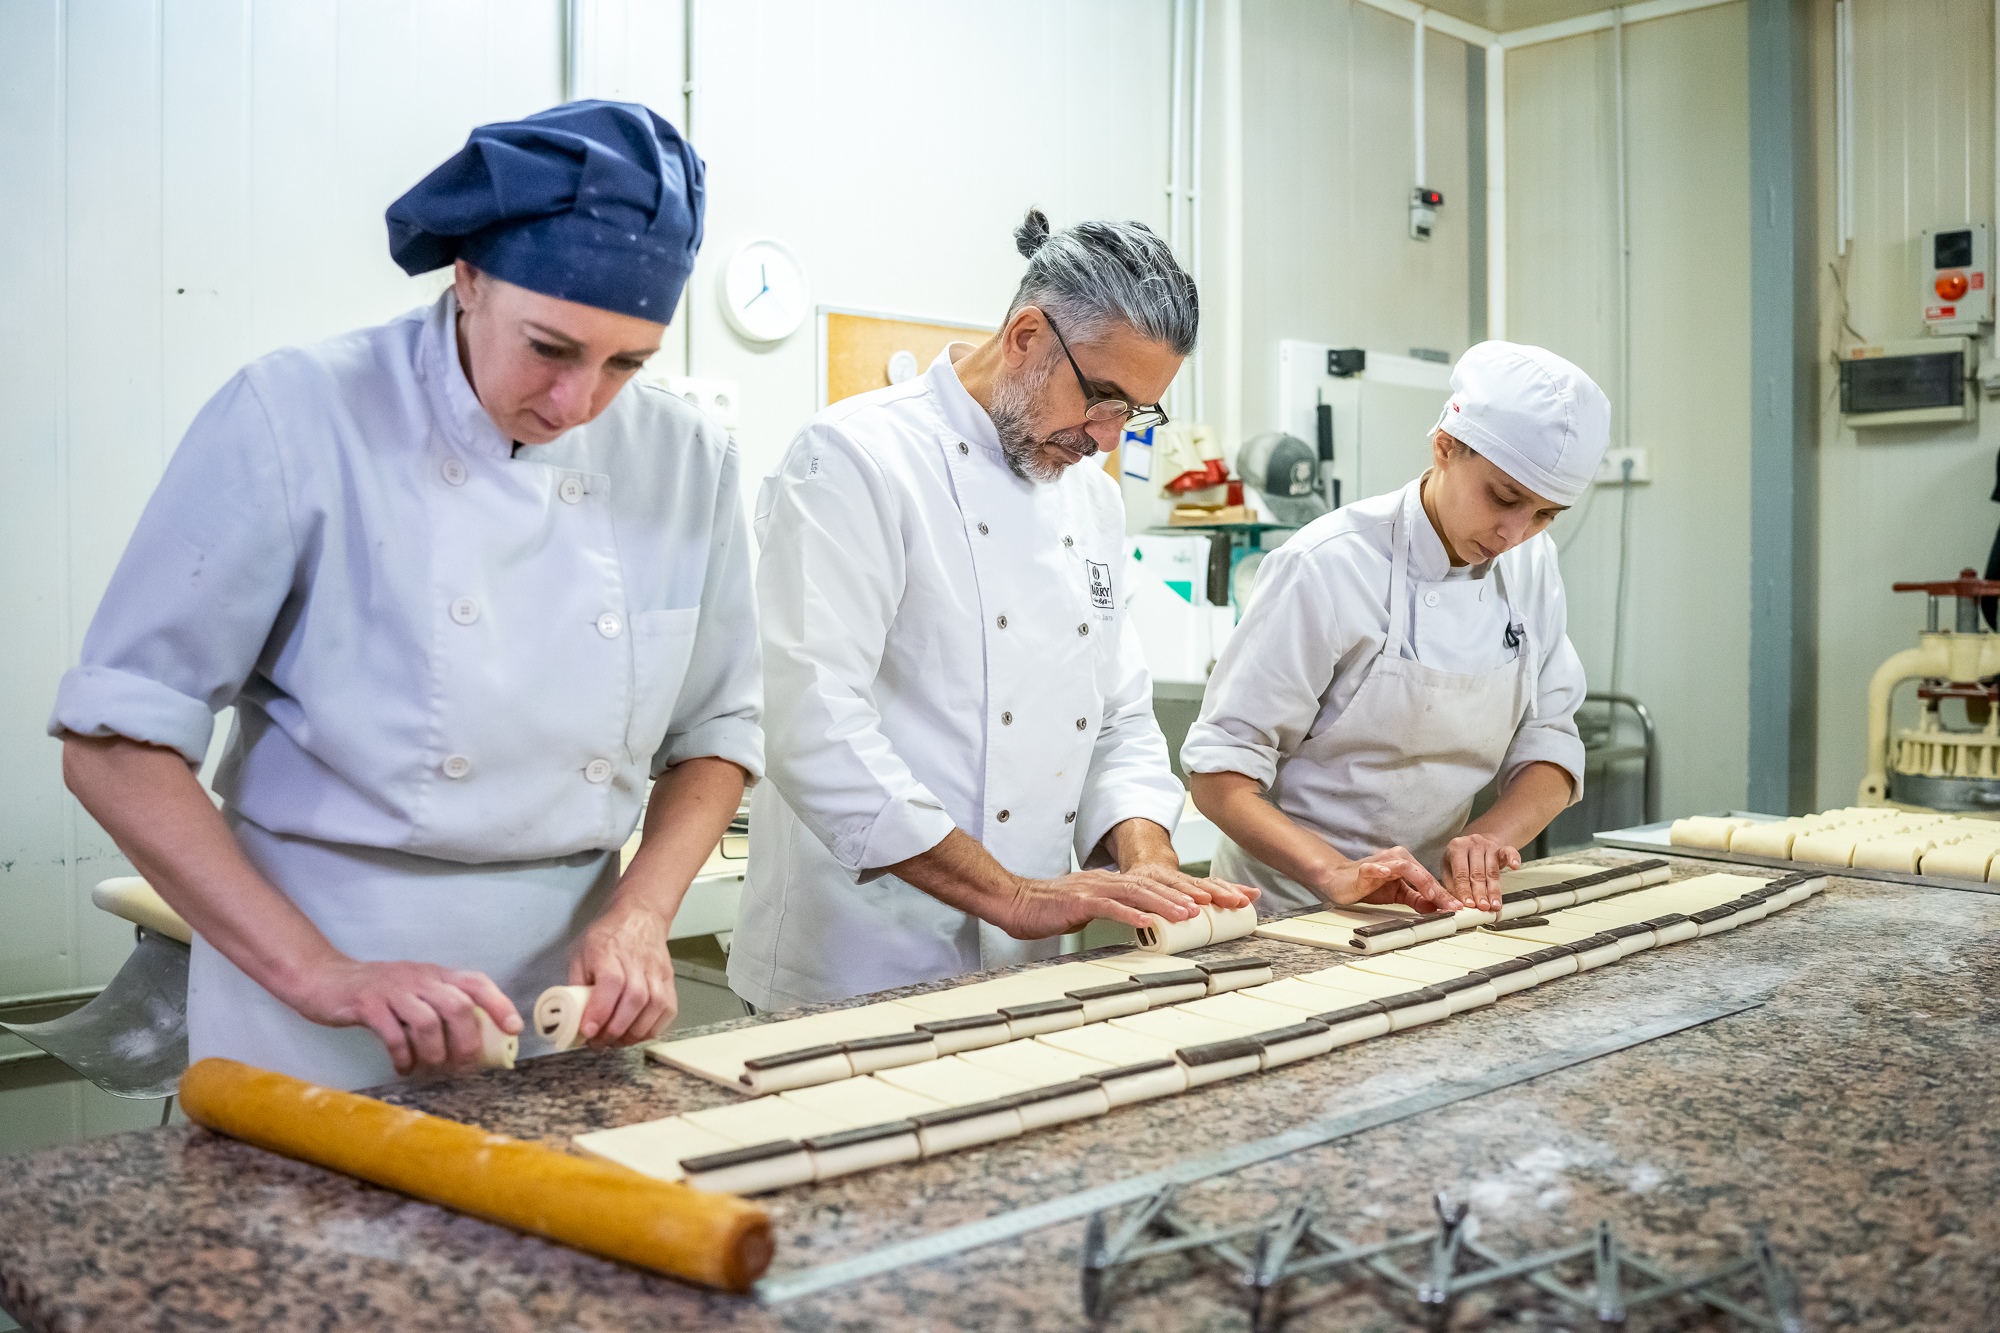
pixel 1952 285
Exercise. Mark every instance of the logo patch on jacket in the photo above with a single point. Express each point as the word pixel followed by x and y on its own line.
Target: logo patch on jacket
pixel 1100 584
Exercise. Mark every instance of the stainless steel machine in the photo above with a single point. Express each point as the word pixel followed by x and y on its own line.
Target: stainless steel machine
pixel 1951 759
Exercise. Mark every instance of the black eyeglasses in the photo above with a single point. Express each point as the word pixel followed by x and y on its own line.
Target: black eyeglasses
pixel 1096 407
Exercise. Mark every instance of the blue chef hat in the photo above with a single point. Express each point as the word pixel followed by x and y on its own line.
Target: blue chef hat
pixel 594 202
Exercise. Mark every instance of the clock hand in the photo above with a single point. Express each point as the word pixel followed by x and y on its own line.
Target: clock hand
pixel 753 300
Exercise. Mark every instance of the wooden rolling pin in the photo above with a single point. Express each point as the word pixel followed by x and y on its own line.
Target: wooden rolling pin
pixel 718 1240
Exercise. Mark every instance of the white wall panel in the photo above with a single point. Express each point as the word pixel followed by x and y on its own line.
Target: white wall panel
pixel 894 144
pixel 1687 125
pixel 1328 149
pixel 1909 503
pixel 190 184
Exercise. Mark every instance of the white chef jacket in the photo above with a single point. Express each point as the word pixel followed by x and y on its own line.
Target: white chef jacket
pixel 434 645
pixel 945 646
pixel 1319 615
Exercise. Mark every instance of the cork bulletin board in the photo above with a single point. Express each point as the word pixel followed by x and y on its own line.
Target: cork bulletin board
pixel 855 347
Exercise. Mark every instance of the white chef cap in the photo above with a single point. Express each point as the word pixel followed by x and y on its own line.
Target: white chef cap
pixel 1531 414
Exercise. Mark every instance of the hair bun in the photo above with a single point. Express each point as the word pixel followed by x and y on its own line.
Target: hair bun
pixel 1032 233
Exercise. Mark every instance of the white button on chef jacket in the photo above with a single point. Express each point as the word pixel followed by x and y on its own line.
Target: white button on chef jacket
pixel 314 608
pixel 903 704
pixel 1319 615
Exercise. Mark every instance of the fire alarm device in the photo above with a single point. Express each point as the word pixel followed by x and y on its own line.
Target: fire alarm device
pixel 1957 269
pixel 1424 204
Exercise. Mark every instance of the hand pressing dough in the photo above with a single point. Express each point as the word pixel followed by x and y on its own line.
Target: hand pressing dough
pixel 1160 935
pixel 856 1103
pixel 1964 860
pixel 497 1049
pixel 559 1015
pixel 652 1147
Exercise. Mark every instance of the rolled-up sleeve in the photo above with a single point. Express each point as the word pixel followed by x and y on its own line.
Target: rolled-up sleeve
pixel 830 574
pixel 1130 774
pixel 719 710
pixel 1267 685
pixel 1549 734
pixel 194 598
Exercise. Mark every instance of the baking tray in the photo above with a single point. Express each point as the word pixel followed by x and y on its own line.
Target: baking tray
pixel 1654 838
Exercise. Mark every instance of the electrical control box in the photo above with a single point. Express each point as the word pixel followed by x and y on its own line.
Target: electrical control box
pixel 1957 268
pixel 1908 383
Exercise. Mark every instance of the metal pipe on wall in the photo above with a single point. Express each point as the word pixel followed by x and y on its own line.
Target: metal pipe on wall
pixel 1194 189
pixel 1176 139
pixel 1417 92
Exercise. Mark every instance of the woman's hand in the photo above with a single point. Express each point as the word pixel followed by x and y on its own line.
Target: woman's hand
pixel 1388 876
pixel 1472 866
pixel 623 958
pixel 423 1013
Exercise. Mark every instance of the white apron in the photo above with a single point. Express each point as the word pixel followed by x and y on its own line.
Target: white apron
pixel 1407 754
pixel 515 922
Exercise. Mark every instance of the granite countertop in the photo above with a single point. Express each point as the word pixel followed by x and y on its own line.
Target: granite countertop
pixel 1857 1112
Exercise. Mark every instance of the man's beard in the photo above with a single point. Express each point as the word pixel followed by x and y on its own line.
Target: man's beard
pixel 1013 422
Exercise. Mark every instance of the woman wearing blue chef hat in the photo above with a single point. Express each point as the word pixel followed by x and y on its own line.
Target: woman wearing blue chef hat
pixel 468 589
pixel 1402 652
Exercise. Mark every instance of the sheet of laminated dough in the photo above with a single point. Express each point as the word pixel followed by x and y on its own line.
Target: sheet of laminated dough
pixel 653 1147
pixel 1244 1011
pixel 1703 891
pixel 1541 876
pixel 719 1056
pixel 1114 1046
pixel 1961 860
pixel 1486 942
pixel 1554 932
pixel 858 1102
pixel 1417 971
pixel 1705 831
pixel 1036 1063
pixel 1293 993
pixel 955 1081
pixel 1133 964
pixel 1453 954
pixel 1312 933
pixel 1178 1029
pixel 763 1120
pixel 986 997
pixel 1356 984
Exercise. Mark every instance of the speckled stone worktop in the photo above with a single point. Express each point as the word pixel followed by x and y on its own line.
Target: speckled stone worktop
pixel 1857 1112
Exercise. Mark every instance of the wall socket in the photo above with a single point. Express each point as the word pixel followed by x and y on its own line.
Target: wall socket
pixel 722 400
pixel 1611 471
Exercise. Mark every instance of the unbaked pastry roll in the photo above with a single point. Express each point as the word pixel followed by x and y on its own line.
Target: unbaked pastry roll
pixel 1160 935
pixel 497 1049
pixel 1229 923
pixel 559 1015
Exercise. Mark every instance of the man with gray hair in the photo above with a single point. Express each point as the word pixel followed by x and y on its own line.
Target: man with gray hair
pixel 954 704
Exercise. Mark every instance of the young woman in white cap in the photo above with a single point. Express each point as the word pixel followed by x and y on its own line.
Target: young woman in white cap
pixel 1401 652
pixel 468 588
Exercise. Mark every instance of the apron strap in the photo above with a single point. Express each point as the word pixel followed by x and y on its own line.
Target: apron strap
pixel 1531 661
pixel 1399 583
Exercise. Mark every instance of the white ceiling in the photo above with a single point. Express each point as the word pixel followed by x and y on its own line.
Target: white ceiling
pixel 1509 15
